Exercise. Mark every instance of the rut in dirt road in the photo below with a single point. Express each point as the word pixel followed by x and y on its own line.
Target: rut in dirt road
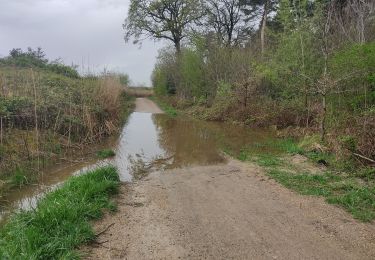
pixel 222 209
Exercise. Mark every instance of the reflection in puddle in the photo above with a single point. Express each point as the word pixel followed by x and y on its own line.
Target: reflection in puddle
pixel 150 141
pixel 138 141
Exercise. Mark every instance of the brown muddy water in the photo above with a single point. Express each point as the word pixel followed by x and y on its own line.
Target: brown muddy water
pixel 148 141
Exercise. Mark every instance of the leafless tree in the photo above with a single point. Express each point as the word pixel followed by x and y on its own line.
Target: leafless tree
pixel 355 18
pixel 228 19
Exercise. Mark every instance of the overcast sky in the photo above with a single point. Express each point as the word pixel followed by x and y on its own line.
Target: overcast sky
pixel 78 31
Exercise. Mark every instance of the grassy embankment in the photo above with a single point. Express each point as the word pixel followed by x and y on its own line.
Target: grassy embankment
pixel 46 115
pixel 165 106
pixel 61 220
pixel 339 181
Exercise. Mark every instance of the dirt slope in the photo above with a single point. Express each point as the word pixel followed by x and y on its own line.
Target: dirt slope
pixel 230 211
pixel 145 105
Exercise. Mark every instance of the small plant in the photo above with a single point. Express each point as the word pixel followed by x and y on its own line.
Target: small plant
pixel 106 153
pixel 289 145
pixel 349 142
pixel 244 155
pixel 20 178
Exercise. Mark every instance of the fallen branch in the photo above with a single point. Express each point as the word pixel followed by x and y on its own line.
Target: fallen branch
pixel 364 157
pixel 105 230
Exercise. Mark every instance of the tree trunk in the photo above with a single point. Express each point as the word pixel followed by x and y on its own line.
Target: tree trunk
pixel 177 45
pixel 323 119
pixel 263 27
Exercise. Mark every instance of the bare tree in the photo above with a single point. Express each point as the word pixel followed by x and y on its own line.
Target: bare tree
pixel 259 10
pixel 228 19
pixel 354 18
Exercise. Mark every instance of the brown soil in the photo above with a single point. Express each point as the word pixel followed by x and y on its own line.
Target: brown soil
pixel 227 211
pixel 145 105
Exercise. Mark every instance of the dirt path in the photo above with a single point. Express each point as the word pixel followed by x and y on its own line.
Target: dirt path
pixel 145 105
pixel 229 211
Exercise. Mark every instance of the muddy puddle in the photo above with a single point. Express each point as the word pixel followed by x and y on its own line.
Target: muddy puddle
pixel 148 142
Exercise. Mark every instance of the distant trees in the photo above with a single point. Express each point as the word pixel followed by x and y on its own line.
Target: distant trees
pixel 37 58
pixel 28 58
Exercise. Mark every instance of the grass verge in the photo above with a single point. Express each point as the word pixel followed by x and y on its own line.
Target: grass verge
pixel 340 183
pixel 168 109
pixel 344 191
pixel 61 220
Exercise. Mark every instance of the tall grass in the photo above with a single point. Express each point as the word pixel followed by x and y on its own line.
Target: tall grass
pixel 44 115
pixel 60 222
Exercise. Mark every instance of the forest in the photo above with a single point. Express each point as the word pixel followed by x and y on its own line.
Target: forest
pixel 304 67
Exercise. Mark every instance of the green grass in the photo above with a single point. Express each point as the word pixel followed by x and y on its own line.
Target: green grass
pixel 61 220
pixel 268 160
pixel 263 159
pixel 339 190
pixel 360 202
pixel 106 153
pixel 306 184
pixel 169 110
pixel 343 184
pixel 288 145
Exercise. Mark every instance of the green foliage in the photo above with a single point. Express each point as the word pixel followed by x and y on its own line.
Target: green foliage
pixel 160 82
pixel 357 60
pixel 124 79
pixel 14 105
pixel 163 76
pixel 106 153
pixel 60 222
pixel 192 74
pixel 62 69
pixel 224 90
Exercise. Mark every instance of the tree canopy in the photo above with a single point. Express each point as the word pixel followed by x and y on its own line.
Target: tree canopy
pixel 162 19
